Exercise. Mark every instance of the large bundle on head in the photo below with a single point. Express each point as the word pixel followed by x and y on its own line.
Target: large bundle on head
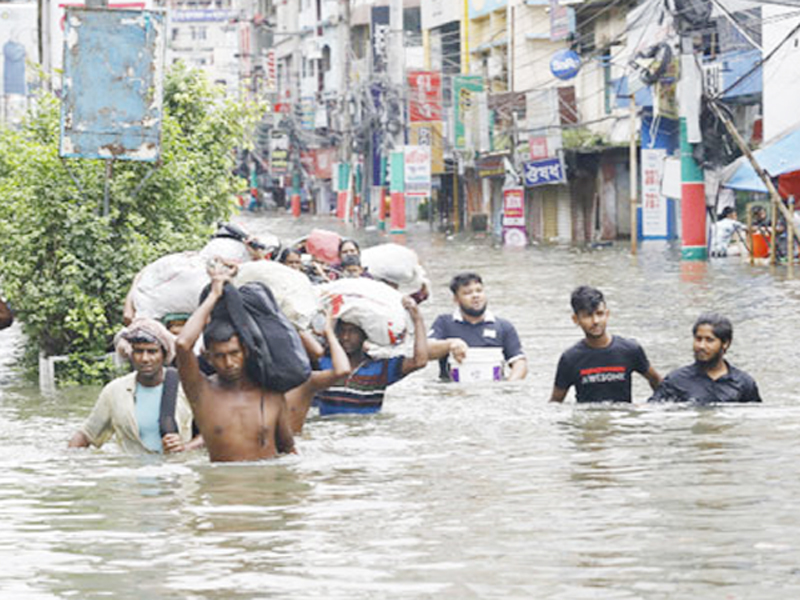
pixel 323 245
pixel 371 305
pixel 396 264
pixel 171 284
pixel 226 248
pixel 296 296
pixel 276 358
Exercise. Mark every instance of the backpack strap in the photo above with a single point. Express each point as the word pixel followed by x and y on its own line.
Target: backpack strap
pixel 166 417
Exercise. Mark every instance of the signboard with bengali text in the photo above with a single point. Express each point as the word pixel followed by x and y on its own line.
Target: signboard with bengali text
pixel 425 96
pixel 654 205
pixel 544 172
pixel 417 164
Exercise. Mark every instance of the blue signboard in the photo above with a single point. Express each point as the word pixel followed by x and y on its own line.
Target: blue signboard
pixel 112 84
pixel 543 172
pixel 565 64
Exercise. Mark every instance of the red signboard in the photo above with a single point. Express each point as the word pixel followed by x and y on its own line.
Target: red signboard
pixel 425 96
pixel 513 206
pixel 324 159
pixel 538 145
pixel 318 162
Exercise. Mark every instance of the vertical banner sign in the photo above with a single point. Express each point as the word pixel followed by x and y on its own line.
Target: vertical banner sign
pixel 425 96
pixel 417 161
pixel 514 233
pixel 431 135
pixel 379 44
pixel 272 70
pixel 397 209
pixel 465 103
pixel 279 153
pixel 562 21
pixel 111 105
pixel 654 205
pixel 379 20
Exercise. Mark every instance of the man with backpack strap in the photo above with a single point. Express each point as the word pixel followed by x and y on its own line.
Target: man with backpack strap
pixel 146 409
pixel 239 417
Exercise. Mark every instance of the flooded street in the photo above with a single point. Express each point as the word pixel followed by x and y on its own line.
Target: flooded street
pixel 456 492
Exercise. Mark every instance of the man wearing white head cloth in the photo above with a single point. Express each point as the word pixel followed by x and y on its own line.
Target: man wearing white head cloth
pixel 146 409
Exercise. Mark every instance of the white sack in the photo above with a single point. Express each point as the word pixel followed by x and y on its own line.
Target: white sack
pixel 171 284
pixel 371 305
pixel 292 289
pixel 226 248
pixel 395 263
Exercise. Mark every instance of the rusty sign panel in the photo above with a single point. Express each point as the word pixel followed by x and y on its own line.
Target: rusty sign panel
pixel 111 105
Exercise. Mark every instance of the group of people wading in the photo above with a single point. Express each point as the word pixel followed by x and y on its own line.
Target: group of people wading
pixel 217 403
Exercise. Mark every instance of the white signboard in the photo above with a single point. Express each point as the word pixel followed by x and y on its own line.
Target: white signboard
pixel 436 13
pixel 654 205
pixel 417 160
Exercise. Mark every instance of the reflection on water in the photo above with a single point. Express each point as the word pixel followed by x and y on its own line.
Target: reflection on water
pixel 454 492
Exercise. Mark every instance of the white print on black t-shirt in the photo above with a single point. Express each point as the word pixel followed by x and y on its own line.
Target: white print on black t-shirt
pixel 602 375
pixel 490 333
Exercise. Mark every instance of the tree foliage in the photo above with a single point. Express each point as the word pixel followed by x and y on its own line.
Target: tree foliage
pixel 65 267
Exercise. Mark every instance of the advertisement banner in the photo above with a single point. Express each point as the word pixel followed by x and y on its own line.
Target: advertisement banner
pixel 380 38
pixel 562 21
pixel 514 232
pixel 307 113
pixel 429 134
pixel 465 107
pixel 538 147
pixel 279 153
pixel 654 205
pixel 544 172
pixel 425 96
pixel 513 207
pixel 417 167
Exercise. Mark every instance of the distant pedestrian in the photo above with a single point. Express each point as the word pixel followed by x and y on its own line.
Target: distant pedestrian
pixel 724 230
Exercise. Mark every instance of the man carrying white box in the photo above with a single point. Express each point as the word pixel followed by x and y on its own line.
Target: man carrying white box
pixel 479 342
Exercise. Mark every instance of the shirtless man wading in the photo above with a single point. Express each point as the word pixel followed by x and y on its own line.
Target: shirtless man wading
pixel 239 420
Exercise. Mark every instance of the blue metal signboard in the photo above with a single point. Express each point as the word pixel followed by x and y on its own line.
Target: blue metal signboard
pixel 543 172
pixel 565 64
pixel 112 84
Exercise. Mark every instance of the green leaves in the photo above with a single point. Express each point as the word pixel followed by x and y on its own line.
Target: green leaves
pixel 65 268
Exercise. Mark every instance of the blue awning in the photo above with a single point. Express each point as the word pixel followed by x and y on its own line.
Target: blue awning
pixel 776 158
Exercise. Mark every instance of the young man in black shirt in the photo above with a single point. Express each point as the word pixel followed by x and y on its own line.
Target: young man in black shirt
pixel 600 365
pixel 473 325
pixel 711 378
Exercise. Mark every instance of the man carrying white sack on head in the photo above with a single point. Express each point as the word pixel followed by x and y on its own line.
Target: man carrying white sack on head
pixel 363 388
pixel 471 331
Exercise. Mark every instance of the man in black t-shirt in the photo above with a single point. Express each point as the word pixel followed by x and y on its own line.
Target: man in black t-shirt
pixel 600 365
pixel 710 378
pixel 472 325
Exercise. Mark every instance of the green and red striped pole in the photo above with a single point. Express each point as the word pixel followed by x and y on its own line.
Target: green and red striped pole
pixel 693 203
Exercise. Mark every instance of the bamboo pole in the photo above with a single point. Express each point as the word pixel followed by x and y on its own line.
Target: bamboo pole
pixel 777 204
pixel 634 175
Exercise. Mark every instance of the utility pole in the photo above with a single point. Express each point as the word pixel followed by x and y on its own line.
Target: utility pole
pixel 397 211
pixel 693 194
pixel 634 175
pixel 347 123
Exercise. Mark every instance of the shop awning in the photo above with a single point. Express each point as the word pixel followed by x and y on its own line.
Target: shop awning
pixel 778 157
